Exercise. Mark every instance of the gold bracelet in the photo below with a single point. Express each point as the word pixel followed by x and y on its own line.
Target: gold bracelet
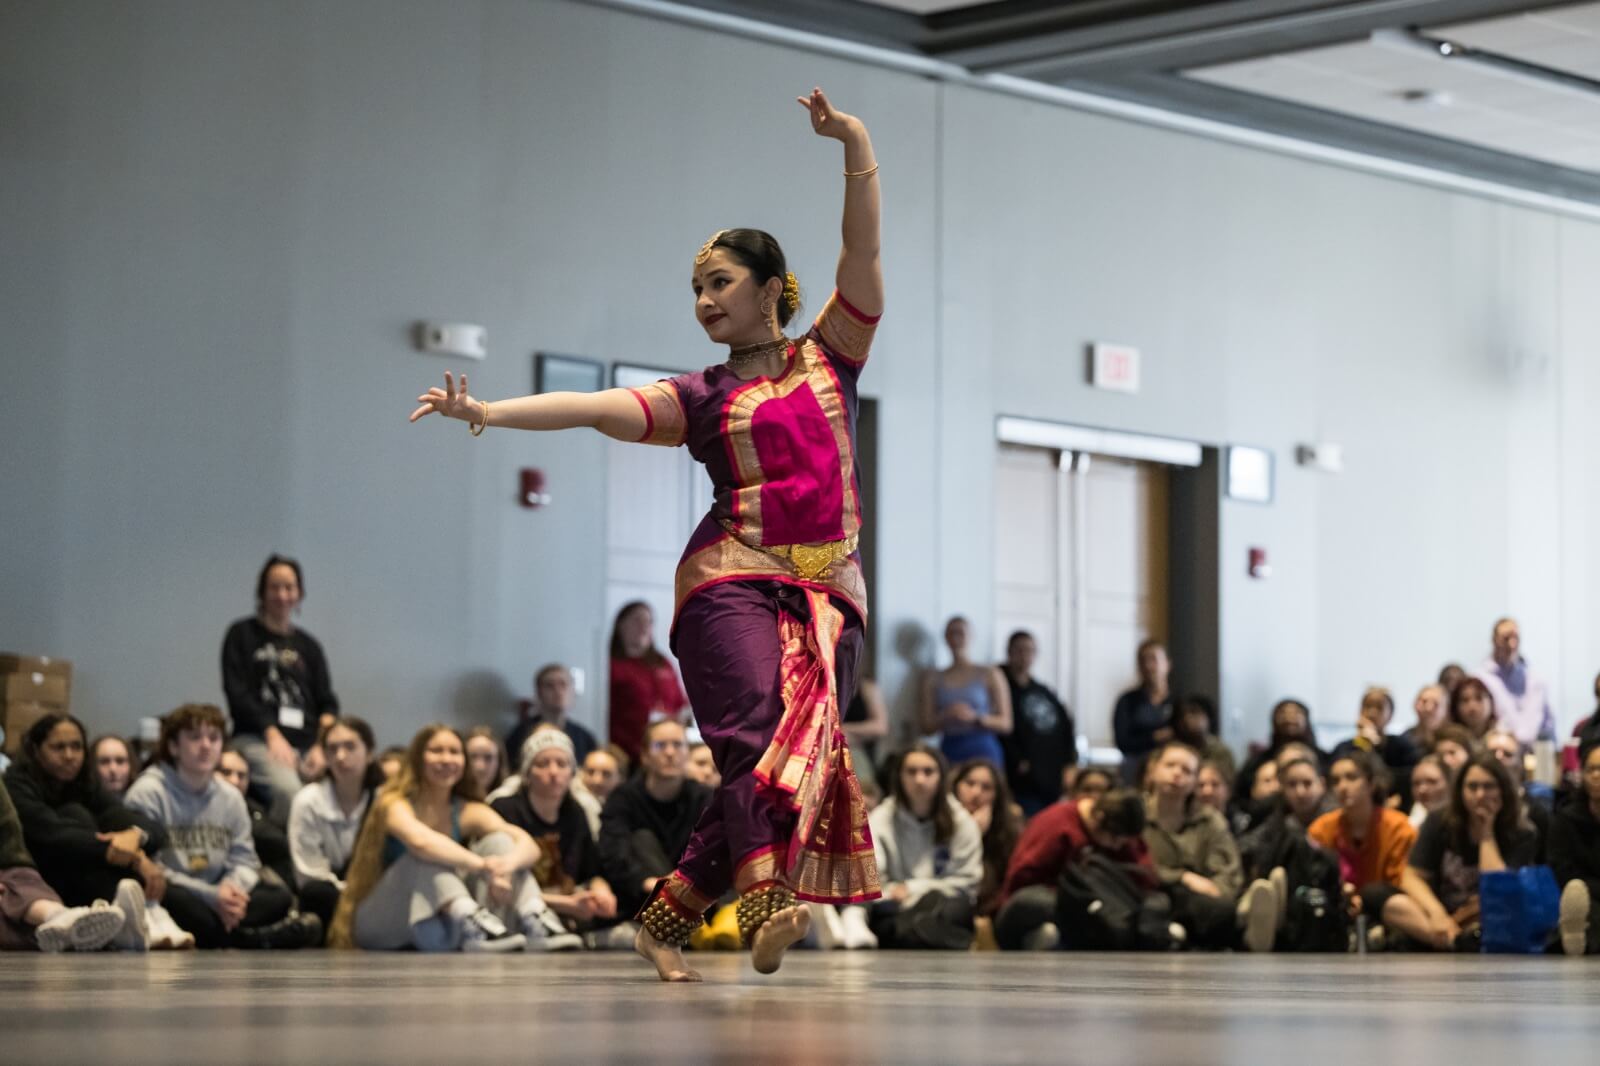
pixel 477 431
pixel 862 173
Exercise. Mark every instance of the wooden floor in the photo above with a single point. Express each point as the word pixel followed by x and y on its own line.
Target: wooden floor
pixel 1099 1010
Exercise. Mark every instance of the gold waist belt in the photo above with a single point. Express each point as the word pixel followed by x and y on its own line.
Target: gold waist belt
pixel 810 562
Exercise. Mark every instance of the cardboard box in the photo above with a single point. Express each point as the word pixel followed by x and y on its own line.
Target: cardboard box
pixel 18 716
pixel 34 688
pixel 11 663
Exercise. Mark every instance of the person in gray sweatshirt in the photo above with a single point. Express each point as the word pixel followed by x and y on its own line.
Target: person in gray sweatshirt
pixel 930 857
pixel 214 886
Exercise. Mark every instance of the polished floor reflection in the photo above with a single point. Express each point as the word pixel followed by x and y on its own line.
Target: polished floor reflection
pixel 323 1008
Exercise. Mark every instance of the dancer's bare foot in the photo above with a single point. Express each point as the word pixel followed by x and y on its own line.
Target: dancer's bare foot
pixel 666 958
pixel 775 936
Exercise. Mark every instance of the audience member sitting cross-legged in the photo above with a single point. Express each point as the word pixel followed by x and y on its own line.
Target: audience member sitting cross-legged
pixel 214 886
pixel 930 860
pixel 569 866
pixel 1197 860
pixel 1373 842
pixel 1103 828
pixel 271 838
pixel 88 845
pixel 437 869
pixel 32 916
pixel 1575 856
pixel 326 815
pixel 647 821
pixel 1482 830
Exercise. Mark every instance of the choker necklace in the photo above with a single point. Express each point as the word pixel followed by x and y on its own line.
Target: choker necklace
pixel 751 353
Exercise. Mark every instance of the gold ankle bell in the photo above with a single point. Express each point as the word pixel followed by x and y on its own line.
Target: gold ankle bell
pixel 759 904
pixel 667 924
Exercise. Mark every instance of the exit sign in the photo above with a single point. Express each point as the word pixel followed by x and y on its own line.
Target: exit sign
pixel 1114 366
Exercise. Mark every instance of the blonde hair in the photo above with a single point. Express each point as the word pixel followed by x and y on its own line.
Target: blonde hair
pixel 366 860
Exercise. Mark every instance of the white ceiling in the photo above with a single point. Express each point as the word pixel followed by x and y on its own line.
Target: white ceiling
pixel 1485 107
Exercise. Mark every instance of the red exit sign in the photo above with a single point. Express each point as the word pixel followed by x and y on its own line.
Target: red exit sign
pixel 1114 366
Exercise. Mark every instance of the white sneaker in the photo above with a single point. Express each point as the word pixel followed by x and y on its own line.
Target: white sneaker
pixel 135 933
pixel 481 931
pixel 827 929
pixel 1574 920
pixel 1279 880
pixel 165 933
pixel 857 936
pixel 79 928
pixel 1045 938
pixel 544 932
pixel 1258 915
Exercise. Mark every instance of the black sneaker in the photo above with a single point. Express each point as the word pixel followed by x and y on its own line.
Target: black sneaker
pixel 287 934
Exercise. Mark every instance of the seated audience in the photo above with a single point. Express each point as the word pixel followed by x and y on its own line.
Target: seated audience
pixel 1536 800
pixel 981 790
pixel 1575 857
pixel 214 886
pixel 112 762
pixel 1432 706
pixel 1043 743
pixel 32 916
pixel 1291 723
pixel 487 761
pixel 930 860
pixel 271 839
pixel 437 869
pixel 390 760
pixel 702 766
pixel 555 695
pixel 1430 788
pixel 603 770
pixel 1454 746
pixel 1214 789
pixel 87 845
pixel 968 704
pixel 326 815
pixel 276 679
pixel 1302 799
pixel 1586 730
pixel 1057 839
pixel 1373 842
pixel 1397 753
pixel 1090 782
pixel 1197 862
pixel 568 870
pixel 1472 708
pixel 1482 830
pixel 1142 717
pixel 1451 675
pixel 648 819
pixel 1198 725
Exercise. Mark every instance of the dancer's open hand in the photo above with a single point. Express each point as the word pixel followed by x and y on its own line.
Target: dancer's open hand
pixel 825 121
pixel 449 401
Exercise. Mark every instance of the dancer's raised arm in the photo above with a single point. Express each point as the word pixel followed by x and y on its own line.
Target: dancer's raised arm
pixel 614 412
pixel 859 277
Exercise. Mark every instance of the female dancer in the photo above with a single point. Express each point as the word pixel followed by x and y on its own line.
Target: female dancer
pixel 770 598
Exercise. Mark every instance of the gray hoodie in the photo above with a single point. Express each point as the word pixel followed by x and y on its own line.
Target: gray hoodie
pixel 907 852
pixel 208 832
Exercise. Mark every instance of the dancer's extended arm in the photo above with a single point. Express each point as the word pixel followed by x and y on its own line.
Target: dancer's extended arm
pixel 614 412
pixel 859 277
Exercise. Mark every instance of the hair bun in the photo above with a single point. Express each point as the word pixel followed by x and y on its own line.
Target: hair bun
pixel 791 292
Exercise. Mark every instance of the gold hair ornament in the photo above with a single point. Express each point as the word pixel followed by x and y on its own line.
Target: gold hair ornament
pixel 706 248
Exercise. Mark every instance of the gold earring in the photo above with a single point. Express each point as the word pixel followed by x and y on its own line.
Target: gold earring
pixel 766 308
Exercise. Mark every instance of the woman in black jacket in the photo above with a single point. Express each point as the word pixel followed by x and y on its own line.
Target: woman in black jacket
pixel 84 841
pixel 1574 847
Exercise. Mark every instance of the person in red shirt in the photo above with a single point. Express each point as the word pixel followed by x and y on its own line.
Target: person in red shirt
pixel 1058 837
pixel 644 686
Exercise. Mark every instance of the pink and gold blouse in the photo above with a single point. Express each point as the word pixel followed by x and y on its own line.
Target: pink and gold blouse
pixel 781 455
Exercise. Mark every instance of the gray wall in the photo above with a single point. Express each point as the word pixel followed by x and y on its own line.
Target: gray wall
pixel 220 217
